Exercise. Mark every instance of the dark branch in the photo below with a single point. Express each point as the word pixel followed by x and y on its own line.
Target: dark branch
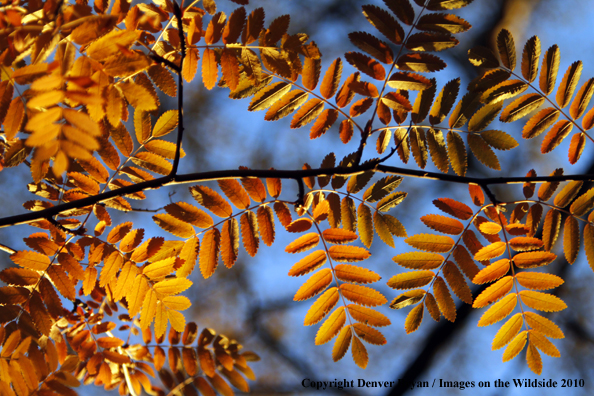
pixel 273 173
pixel 180 88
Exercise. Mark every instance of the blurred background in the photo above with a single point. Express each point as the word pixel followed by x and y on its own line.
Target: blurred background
pixel 253 301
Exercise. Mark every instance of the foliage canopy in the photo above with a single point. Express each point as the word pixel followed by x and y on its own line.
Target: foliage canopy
pixel 76 78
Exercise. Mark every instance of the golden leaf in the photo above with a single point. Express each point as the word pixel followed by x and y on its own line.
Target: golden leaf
pixel 152 162
pixel 538 280
pixel 542 301
pixel 508 331
pixel 266 224
pixel 362 295
pixel 60 279
pixel 286 105
pixel 515 346
pixel 369 334
pixel 494 292
pixel 430 42
pixel 336 235
pixel 365 225
pixel 305 242
pixel 159 269
pixel 444 299
pixel 583 204
pixel 359 353
pixel 268 96
pixel 492 272
pixel 249 232
pixel 188 213
pixel 576 147
pixel 137 294
pixel 348 253
pixel 309 263
pixel 209 252
pixel 307 113
pixel 556 135
pixel 521 244
pixel 342 343
pixel 443 224
pixel 166 123
pixel 316 284
pixel 431 242
pixel 414 319
pixel 311 73
pixel 549 69
pixel 568 84
pixel 368 316
pixel 507 49
pixel 174 226
pixel 542 343
pixel 173 286
pixel 540 122
pixel 533 259
pixel 211 200
pixel 255 188
pixel 331 326
pixel 543 325
pixel 491 251
pixel 322 306
pixel 533 359
pixel 499 310
pixel 32 260
pixel 419 260
pixel 355 274
pixel 571 239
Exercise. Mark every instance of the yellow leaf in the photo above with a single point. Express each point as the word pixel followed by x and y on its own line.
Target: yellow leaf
pixel 369 334
pixel 533 259
pixel 414 319
pixel 126 65
pixel 309 263
pixel 166 123
pixel 542 301
pixel 32 260
pixel 490 251
pixel 365 225
pixel 362 295
pixel 160 320
pixel 443 224
pixel 533 359
pixel 109 342
pixel 125 280
pixel 137 294
pixel 211 200
pixel 359 353
pixel 431 242
pixel 249 233
pixel 189 68
pixel 492 272
pixel 494 292
pixel 515 346
pixel 338 235
pixel 149 309
pixel 14 118
pixel 352 273
pixel 331 326
pixel 499 310
pixel 152 162
pixel 111 266
pixel 348 253
pixel 159 269
pixel 444 299
pixel 543 325
pixel 174 226
pixel 209 252
pixel 432 307
pixel 140 97
pixel 316 284
pixel 170 287
pixel 542 343
pixel 322 306
pixel 411 280
pixel 407 298
pixel 268 96
pixel 177 320
pixel 508 331
pixel 189 254
pixel 419 260
pixel 111 43
pixel 538 280
pixel 489 228
pixel 368 316
pixel 304 242
pixel 189 214
pixel 342 343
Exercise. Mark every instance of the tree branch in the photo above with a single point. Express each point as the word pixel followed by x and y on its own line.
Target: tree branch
pixel 170 180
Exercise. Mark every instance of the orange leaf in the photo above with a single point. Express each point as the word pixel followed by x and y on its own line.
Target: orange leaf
pixel 444 299
pixel 492 272
pixel 348 253
pixel 411 280
pixel 491 251
pixel 454 208
pixel 419 260
pixel 543 325
pixel 322 306
pixel 209 252
pixel 210 72
pixel 359 353
pixel 331 326
pixel 538 280
pixel 249 233
pixel 174 226
pixel 342 343
pixel 369 334
pixel 308 263
pixel 508 331
pixel 368 315
pixel 316 284
pixel 431 242
pixel 533 259
pixel 32 260
pixel 235 192
pixel 494 292
pixel 515 346
pixel 499 310
pixel 211 200
pixel 339 235
pixel 266 224
pixel 542 301
pixel 362 295
pixel 443 224
pixel 352 273
pixel 414 319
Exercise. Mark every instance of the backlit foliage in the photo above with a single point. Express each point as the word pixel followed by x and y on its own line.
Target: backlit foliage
pixel 79 108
